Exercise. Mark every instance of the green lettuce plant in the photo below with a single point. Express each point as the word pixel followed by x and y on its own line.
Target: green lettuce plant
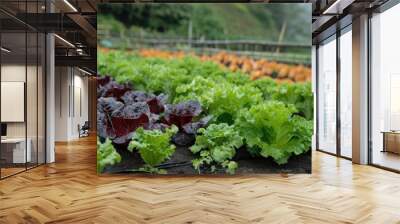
pixel 106 155
pixel 298 94
pixel 266 85
pixel 272 130
pixel 154 146
pixel 220 98
pixel 216 146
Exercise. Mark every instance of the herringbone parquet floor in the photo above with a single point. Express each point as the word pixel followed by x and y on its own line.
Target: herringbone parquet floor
pixel 69 191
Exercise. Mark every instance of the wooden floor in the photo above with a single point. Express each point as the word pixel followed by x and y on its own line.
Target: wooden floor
pixel 10 171
pixel 69 191
pixel 386 159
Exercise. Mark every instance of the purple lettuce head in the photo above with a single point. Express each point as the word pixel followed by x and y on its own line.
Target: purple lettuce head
pixel 156 103
pixel 118 121
pixel 109 88
pixel 182 113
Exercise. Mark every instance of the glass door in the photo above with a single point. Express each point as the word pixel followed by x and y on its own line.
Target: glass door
pixel 14 154
pixel 385 89
pixel 22 95
pixel 327 96
pixel 32 98
pixel 346 92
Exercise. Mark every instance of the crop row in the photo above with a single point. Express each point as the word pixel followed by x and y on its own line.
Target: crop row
pixel 149 106
pixel 255 68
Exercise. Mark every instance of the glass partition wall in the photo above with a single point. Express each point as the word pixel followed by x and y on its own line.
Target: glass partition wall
pixel 334 93
pixel 334 105
pixel 385 89
pixel 327 96
pixel 13 122
pixel 345 65
pixel 22 77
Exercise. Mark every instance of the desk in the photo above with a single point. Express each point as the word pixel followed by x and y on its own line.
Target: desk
pixel 391 141
pixel 13 150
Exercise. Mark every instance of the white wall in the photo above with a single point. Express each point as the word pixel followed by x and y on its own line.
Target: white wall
pixel 33 126
pixel 62 81
pixel 70 83
pixel 80 100
pixel 14 72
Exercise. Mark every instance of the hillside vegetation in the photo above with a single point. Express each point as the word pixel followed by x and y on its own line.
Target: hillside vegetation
pixel 211 21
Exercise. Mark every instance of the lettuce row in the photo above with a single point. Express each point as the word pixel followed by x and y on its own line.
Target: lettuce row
pixel 250 108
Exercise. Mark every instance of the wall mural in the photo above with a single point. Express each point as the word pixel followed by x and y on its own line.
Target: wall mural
pixel 204 88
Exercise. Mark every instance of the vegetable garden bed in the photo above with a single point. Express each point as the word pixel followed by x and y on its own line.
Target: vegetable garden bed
pixel 187 116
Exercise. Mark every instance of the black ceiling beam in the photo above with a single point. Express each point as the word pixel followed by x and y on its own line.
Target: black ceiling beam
pixel 86 26
pixel 7 16
pixel 49 22
pixel 90 70
pixel 324 28
pixel 331 30
pixel 91 5
pixel 87 51
pixel 8 24
pixel 77 61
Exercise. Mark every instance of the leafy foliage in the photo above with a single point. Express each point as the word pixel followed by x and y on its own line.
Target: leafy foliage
pixel 216 146
pixel 153 145
pixel 267 86
pixel 271 130
pixel 192 128
pixel 155 103
pixel 298 94
pixel 118 121
pixel 150 75
pixel 163 16
pixel 223 99
pixel 165 76
pixel 111 88
pixel 210 21
pixel 149 95
pixel 106 155
pixel 122 111
pixel 182 113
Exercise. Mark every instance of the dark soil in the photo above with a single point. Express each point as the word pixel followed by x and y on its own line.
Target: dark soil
pixel 180 163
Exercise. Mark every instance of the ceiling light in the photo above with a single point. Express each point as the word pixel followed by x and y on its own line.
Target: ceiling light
pixel 84 71
pixel 65 41
pixel 70 5
pixel 5 50
pixel 338 6
pixel 79 51
pixel 331 7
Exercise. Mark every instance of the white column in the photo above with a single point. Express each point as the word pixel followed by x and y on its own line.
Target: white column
pixel 50 93
pixel 360 90
pixel 314 84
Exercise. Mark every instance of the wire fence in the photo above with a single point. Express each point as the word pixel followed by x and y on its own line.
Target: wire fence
pixel 281 52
